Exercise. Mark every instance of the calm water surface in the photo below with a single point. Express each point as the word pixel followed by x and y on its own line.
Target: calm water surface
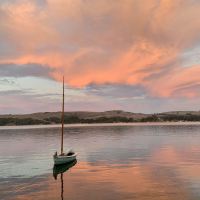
pixel 114 162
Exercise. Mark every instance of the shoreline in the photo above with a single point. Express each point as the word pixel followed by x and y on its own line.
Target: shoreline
pixel 99 125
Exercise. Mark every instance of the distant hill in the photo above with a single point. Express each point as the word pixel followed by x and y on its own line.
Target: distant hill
pixel 113 116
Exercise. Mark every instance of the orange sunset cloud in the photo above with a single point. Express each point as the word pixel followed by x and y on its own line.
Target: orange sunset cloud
pixel 134 42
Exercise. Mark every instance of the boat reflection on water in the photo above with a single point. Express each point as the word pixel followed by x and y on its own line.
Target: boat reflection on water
pixel 60 169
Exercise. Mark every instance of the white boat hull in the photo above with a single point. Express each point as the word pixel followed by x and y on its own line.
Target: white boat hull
pixel 62 159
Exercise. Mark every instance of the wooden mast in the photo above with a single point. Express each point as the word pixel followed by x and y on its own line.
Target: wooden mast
pixel 63 104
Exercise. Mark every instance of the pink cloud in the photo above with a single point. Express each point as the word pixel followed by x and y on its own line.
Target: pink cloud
pixel 126 42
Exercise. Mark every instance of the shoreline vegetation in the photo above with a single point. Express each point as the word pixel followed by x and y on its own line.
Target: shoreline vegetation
pixel 114 116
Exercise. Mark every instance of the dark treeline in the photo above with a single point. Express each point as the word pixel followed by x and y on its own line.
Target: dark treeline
pixel 187 117
pixel 24 121
pixel 73 119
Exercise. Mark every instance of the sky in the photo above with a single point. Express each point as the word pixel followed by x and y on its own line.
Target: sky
pixel 133 55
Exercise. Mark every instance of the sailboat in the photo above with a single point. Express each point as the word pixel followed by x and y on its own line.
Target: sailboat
pixel 70 156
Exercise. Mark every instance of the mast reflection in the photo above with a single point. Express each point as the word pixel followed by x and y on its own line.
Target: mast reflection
pixel 60 169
